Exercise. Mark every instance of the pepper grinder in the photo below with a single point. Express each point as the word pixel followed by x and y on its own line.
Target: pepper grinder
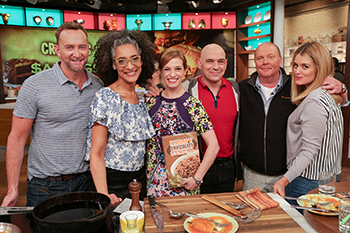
pixel 135 189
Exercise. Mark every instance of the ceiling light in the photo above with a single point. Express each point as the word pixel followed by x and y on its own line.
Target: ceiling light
pixel 96 4
pixel 163 1
pixel 217 1
pixel 32 1
pixel 194 3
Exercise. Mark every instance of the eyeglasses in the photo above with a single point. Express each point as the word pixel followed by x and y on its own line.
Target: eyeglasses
pixel 123 62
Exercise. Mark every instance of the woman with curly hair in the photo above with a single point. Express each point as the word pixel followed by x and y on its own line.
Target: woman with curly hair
pixel 175 111
pixel 119 121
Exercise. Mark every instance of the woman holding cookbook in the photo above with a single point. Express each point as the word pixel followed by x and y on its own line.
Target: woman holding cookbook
pixel 175 111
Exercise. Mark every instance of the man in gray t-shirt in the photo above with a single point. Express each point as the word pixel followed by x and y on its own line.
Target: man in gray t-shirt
pixel 53 106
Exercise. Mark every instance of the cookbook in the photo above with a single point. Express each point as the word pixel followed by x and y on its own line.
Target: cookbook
pixel 181 155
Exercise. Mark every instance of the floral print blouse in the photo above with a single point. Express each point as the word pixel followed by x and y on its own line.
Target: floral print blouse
pixel 171 116
pixel 129 126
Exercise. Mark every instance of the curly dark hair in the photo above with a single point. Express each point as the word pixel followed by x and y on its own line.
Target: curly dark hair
pixel 105 47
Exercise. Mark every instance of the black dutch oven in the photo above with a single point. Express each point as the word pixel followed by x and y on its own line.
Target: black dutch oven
pixel 72 212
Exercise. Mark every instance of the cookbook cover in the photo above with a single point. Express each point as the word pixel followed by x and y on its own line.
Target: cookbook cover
pixel 181 156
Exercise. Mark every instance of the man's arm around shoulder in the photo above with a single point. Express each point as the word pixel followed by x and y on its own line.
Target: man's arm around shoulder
pixel 14 156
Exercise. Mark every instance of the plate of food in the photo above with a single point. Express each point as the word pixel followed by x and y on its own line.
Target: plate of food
pixel 196 225
pixel 186 165
pixel 334 205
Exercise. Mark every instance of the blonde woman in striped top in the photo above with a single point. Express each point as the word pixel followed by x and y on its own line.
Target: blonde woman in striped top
pixel 315 128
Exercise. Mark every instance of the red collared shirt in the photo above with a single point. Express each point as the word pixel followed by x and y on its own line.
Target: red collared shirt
pixel 222 111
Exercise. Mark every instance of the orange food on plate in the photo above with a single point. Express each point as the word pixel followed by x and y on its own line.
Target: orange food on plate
pixel 322 199
pixel 334 205
pixel 199 225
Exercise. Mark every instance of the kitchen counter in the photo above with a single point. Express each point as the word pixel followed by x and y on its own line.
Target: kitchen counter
pixel 278 219
pixel 8 105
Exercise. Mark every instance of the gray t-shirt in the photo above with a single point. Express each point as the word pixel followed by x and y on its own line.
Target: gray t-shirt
pixel 60 112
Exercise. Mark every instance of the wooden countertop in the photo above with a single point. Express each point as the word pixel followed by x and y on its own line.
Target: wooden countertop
pixel 326 224
pixel 271 220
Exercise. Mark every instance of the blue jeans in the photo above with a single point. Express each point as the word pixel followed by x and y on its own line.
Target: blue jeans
pixel 219 178
pixel 298 187
pixel 35 196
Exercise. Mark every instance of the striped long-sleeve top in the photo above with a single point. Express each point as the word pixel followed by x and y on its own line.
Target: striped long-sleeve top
pixel 314 137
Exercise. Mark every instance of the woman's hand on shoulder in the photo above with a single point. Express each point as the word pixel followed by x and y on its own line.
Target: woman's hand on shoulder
pixel 333 85
pixel 154 91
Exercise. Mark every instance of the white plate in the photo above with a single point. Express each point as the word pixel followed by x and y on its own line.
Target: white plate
pixel 257 17
pixel 267 15
pixel 321 199
pixel 248 19
pixel 234 222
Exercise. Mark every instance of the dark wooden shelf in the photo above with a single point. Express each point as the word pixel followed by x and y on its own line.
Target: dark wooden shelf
pixel 246 52
pixel 252 24
pixel 252 38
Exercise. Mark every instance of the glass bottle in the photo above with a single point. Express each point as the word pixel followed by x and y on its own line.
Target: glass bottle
pixel 131 224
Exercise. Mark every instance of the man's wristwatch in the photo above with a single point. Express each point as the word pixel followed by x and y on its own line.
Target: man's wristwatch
pixel 198 182
pixel 344 89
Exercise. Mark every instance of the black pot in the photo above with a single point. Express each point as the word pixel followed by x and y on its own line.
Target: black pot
pixel 72 212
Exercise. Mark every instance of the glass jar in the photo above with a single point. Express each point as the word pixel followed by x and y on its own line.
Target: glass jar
pixel 131 224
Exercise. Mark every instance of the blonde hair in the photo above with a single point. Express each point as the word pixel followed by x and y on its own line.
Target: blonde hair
pixel 322 59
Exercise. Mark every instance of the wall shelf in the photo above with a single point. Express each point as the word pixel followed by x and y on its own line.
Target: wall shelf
pixel 252 38
pixel 253 24
pixel 246 34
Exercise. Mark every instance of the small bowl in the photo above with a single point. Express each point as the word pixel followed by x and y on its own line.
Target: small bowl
pixel 253 214
pixel 167 25
pixel 248 48
pixel 8 227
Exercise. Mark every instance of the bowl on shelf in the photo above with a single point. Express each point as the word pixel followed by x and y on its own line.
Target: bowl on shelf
pixel 248 48
pixel 167 25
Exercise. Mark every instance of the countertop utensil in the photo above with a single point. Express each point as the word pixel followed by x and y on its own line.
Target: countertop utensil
pixel 157 214
pixel 172 214
pixel 345 194
pixel 312 208
pixel 304 199
pixel 216 223
pixel 224 206
pixel 15 210
pixel 235 206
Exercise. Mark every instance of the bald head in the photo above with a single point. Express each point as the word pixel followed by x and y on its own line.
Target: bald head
pixel 211 49
pixel 269 45
pixel 213 63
